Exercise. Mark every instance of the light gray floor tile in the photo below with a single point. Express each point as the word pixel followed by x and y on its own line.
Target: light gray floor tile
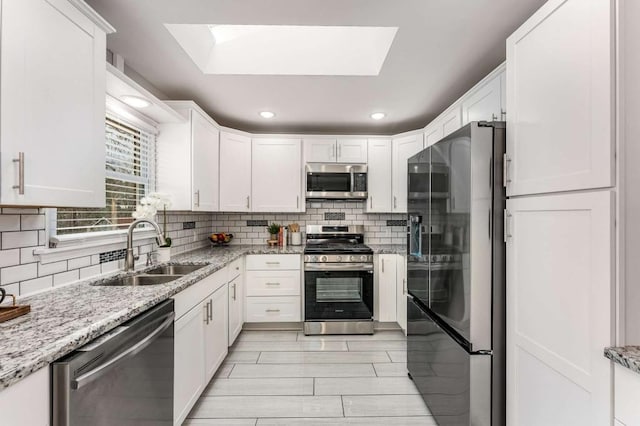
pixel 302 370
pixel 369 421
pixel 220 422
pixel 365 386
pixel 268 386
pixel 242 357
pixel 289 346
pixel 384 405
pixel 267 336
pixel 378 335
pixel 267 406
pixel 391 369
pixel 398 356
pixel 322 357
pixel 377 345
pixel 224 370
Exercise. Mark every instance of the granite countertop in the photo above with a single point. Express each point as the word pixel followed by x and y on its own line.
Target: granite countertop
pixel 627 356
pixel 65 318
pixel 389 248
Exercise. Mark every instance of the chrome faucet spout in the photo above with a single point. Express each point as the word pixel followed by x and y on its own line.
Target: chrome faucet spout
pixel 130 259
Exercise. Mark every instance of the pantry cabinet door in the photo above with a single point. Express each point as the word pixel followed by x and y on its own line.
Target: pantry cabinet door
pixel 401 292
pixel 352 151
pixel 379 176
pixel 560 99
pixel 205 159
pixel 403 148
pixel 52 105
pixel 560 286
pixel 236 308
pixel 235 173
pixel 276 175
pixel 216 331
pixel 386 273
pixel 320 150
pixel 484 104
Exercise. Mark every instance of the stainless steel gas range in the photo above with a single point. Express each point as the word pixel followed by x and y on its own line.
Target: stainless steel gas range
pixel 338 281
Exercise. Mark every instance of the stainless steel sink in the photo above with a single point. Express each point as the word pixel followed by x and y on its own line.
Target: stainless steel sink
pixel 138 280
pixel 174 269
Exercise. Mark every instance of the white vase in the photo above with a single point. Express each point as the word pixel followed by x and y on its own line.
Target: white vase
pixel 164 254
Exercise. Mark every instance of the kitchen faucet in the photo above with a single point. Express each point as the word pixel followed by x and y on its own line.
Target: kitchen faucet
pixel 130 260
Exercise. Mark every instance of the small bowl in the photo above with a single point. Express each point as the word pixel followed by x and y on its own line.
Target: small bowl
pixel 221 243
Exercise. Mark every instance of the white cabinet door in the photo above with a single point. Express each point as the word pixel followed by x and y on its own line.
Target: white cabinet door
pixel 235 173
pixel 236 305
pixel 484 104
pixel 433 133
pixel 559 309
pixel 320 150
pixel 386 273
pixel 559 99
pixel 627 389
pixel 352 151
pixel 53 105
pixel 28 401
pixel 216 330
pixel 189 372
pixel 276 175
pixel 403 149
pixel 401 292
pixel 204 160
pixel 451 120
pixel 379 176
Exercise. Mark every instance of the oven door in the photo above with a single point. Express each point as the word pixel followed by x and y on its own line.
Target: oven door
pixel 338 292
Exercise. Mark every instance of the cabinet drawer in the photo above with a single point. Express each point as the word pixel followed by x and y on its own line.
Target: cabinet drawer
pixel 269 262
pixel 190 297
pixel 273 283
pixel 234 269
pixel 273 309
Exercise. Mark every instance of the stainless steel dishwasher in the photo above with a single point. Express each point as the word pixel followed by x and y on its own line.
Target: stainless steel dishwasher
pixel 124 377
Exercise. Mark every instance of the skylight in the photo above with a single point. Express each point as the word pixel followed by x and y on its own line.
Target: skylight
pixel 285 49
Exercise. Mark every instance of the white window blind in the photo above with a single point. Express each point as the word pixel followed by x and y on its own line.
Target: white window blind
pixel 130 175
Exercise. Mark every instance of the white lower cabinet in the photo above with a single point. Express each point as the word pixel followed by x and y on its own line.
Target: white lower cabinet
pixel 28 401
pixel 386 291
pixel 236 308
pixel 273 288
pixel 401 292
pixel 200 342
pixel 559 309
pixel 627 390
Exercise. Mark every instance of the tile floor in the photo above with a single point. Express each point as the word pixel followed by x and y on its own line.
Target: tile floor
pixel 287 378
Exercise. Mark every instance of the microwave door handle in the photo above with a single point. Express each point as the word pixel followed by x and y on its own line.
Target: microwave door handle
pixel 353 179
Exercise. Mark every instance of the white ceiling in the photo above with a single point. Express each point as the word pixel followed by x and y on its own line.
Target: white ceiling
pixel 441 49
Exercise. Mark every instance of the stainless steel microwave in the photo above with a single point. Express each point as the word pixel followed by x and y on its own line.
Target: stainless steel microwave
pixel 336 181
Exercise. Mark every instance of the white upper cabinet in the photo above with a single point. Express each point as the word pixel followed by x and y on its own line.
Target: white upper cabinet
pixel 52 124
pixel 188 158
pixel 379 176
pixel 560 100
pixel 235 173
pixel 319 150
pixel 403 148
pixel 484 103
pixel 451 120
pixel 276 175
pixel 352 151
pixel 433 133
pixel 328 150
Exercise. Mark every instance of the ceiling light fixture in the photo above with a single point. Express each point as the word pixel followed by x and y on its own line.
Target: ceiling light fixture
pixel 135 101
pixel 267 114
pixel 378 115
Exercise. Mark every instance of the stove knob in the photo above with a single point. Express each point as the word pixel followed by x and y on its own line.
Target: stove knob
pixel 434 258
pixel 447 258
pixel 323 259
pixel 363 258
pixel 338 258
pixel 314 258
pixel 352 258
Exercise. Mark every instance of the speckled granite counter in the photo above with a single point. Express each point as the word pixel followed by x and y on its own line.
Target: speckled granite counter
pixel 627 356
pixel 388 248
pixel 68 317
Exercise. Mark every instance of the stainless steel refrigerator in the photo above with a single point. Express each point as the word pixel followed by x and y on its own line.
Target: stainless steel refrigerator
pixel 456 276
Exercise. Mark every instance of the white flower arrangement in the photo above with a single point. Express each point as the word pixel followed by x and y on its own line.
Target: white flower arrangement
pixel 149 206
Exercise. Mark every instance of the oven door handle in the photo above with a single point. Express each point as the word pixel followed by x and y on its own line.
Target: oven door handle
pixel 366 267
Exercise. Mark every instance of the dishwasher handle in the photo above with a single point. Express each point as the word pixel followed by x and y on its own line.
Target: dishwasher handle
pixel 90 376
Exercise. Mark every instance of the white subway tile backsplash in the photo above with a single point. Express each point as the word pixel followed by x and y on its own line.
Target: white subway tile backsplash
pixel 90 271
pixel 27 256
pixel 30 222
pixel 17 239
pixel 12 210
pixel 66 277
pixel 13 274
pixel 81 262
pixel 9 257
pixel 51 268
pixel 9 223
pixel 12 289
pixel 36 284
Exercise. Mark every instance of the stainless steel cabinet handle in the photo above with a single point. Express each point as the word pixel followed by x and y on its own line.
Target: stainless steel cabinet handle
pixel 493 117
pixel 272 263
pixel 211 309
pixel 505 170
pixel 404 286
pixel 272 310
pixel 339 150
pixel 371 201
pixel 234 291
pixel 97 372
pixel 206 313
pixel 297 202
pixel 507 216
pixel 247 201
pixel 272 283
pixel 503 113
pixel 196 202
pixel 395 202
pixel 382 265
pixel 20 161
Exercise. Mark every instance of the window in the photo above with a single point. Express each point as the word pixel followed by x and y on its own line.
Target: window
pixel 130 175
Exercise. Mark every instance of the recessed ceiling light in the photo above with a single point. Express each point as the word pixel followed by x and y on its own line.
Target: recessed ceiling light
pixel 135 101
pixel 378 115
pixel 267 114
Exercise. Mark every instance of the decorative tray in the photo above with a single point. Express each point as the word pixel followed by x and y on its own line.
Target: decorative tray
pixel 14 311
